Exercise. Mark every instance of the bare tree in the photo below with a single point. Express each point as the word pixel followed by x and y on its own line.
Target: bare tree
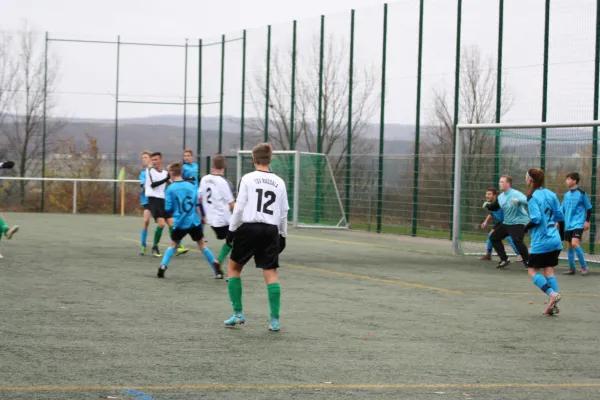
pixel 24 136
pixel 8 79
pixel 336 87
pixel 477 104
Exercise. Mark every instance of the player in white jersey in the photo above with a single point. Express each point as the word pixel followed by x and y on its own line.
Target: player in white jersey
pixel 216 195
pixel 258 229
pixel 155 185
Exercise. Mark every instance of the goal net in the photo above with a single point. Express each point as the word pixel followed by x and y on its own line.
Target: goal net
pixel 312 192
pixel 486 152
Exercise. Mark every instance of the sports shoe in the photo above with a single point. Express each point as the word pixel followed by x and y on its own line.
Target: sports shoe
pixel 181 250
pixel 218 269
pixel 155 251
pixel 238 318
pixel 161 271
pixel 487 257
pixel 569 272
pixel 553 299
pixel 142 250
pixel 274 325
pixel 9 233
pixel 584 271
pixel 554 310
pixel 503 263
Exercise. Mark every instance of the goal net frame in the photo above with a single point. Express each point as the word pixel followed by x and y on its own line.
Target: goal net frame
pixel 342 223
pixel 461 129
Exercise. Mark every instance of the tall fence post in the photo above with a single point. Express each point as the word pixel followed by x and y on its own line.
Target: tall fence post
pixel 350 129
pixel 292 143
pixel 199 124
pixel 545 83
pixel 320 120
pixel 497 143
pixel 415 217
pixel 185 73
pixel 74 197
pixel 382 121
pixel 456 100
pixel 220 147
pixel 116 149
pixel 593 190
pixel 243 122
pixel 44 124
pixel 268 85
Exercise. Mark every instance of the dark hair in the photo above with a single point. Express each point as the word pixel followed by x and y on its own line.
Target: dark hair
pixel 492 189
pixel 175 169
pixel 218 161
pixel 537 180
pixel 157 153
pixel 262 154
pixel 573 175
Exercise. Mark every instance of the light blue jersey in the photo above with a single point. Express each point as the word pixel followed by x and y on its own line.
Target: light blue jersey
pixel 575 206
pixel 191 171
pixel 514 214
pixel 545 212
pixel 143 198
pixel 180 201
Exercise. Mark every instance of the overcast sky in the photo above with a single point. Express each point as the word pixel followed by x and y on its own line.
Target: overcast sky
pixel 87 71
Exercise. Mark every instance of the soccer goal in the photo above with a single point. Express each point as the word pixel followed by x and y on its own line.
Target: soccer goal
pixel 312 192
pixel 485 152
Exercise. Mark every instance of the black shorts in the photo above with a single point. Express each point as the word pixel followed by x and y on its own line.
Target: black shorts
pixel 157 208
pixel 574 234
pixel 543 260
pixel 195 233
pixel 146 206
pixel 221 231
pixel 260 241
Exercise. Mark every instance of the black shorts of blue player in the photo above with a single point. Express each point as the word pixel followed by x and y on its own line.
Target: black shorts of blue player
pixel 543 260
pixel 195 232
pixel 257 240
pixel 574 234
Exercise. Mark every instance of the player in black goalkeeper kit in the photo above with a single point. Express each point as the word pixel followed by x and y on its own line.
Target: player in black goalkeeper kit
pixel 258 229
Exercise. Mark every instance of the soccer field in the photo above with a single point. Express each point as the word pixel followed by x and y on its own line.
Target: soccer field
pixel 83 316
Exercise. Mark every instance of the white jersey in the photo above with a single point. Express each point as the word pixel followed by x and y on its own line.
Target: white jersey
pixel 152 175
pixel 262 198
pixel 216 193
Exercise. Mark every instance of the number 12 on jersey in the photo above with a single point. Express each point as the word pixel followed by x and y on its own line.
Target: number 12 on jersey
pixel 271 196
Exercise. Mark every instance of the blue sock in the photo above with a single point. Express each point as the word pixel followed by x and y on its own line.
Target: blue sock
pixel 571 257
pixel 489 244
pixel 512 244
pixel 167 257
pixel 209 257
pixel 143 237
pixel 542 283
pixel 553 283
pixel 580 257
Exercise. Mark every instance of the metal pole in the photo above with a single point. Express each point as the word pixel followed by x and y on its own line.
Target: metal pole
pixel 320 109
pixel 242 122
pixel 292 144
pixel 349 135
pixel 199 127
pixel 268 84
pixel 499 91
pixel 74 197
pixel 456 97
pixel 185 95
pixel 221 95
pixel 116 125
pixel 382 121
pixel 545 83
pixel 593 190
pixel 44 124
pixel 415 217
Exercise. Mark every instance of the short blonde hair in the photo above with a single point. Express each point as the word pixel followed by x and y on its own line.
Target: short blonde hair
pixel 146 153
pixel 262 154
pixel 188 151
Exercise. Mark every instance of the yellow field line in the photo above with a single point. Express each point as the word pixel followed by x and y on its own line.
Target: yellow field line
pixel 303 387
pixel 408 284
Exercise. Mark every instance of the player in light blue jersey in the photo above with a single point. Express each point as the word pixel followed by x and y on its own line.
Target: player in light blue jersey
pixel 190 168
pixel 545 214
pixel 146 162
pixel 513 204
pixel 495 212
pixel 577 209
pixel 180 202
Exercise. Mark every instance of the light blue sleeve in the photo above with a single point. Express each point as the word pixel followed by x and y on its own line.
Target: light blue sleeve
pixel 586 202
pixel 143 178
pixel 559 216
pixel 522 198
pixel 169 200
pixel 535 214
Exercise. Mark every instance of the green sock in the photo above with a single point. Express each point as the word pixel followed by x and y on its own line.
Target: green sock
pixel 274 290
pixel 234 287
pixel 157 235
pixel 224 252
pixel 3 227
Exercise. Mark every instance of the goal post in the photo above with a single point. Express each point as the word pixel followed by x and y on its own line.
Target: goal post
pixel 484 152
pixel 315 201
